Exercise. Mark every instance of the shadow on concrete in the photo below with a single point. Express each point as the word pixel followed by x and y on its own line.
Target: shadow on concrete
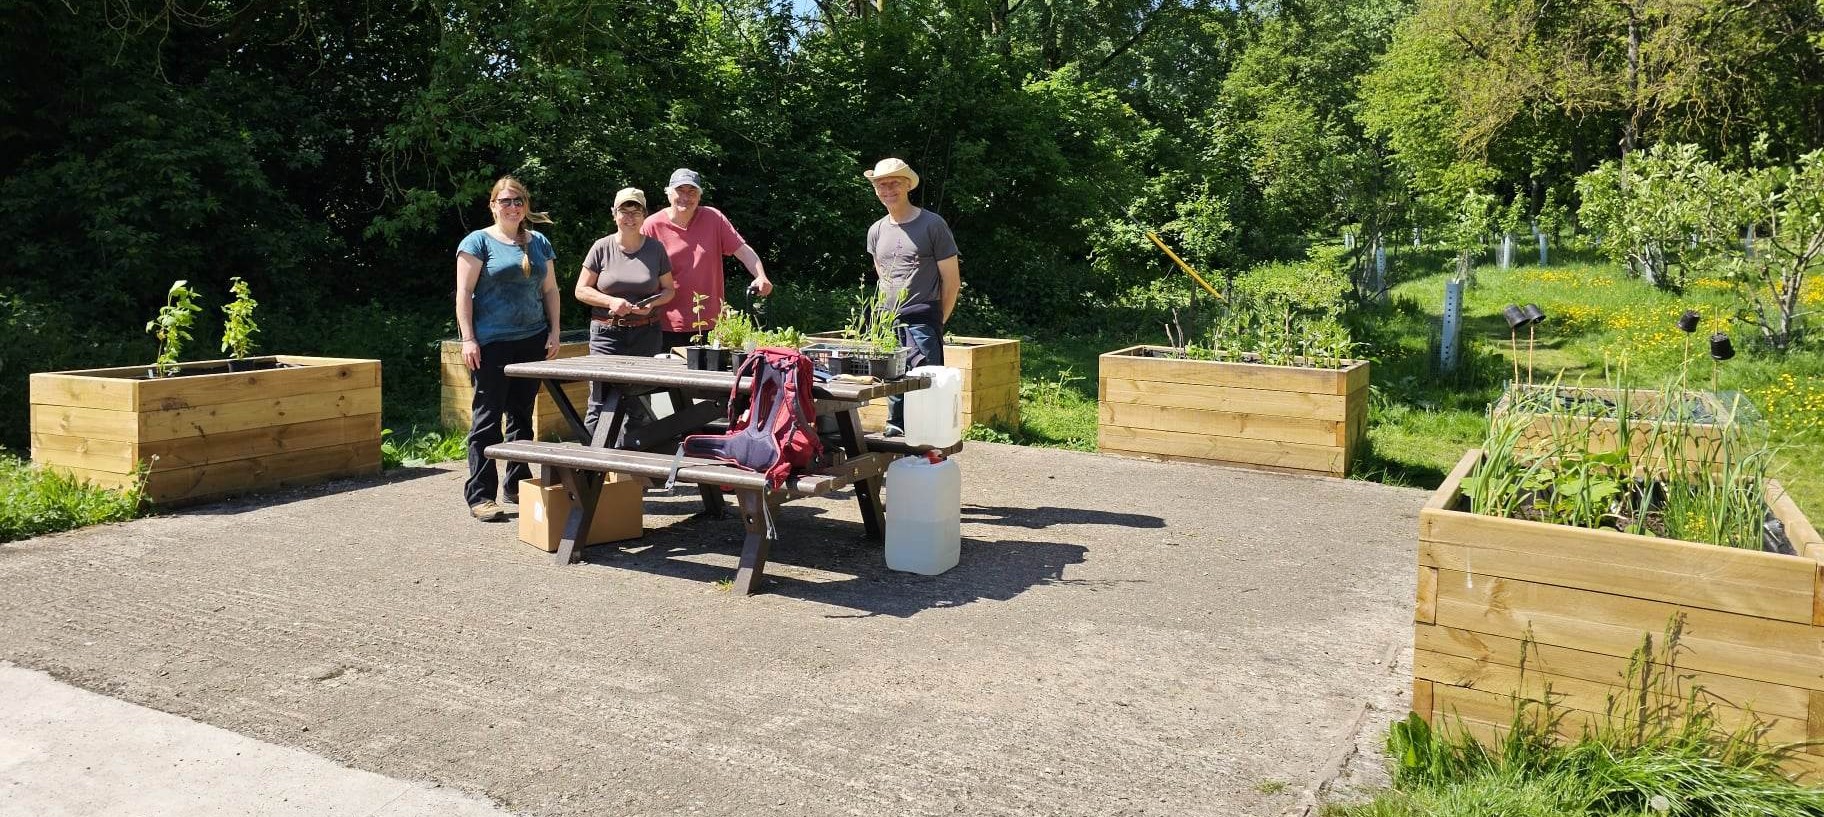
pixel 1045 517
pixel 284 496
pixel 857 576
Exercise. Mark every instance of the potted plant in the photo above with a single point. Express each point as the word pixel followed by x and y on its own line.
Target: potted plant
pixel 1560 557
pixel 1273 386
pixel 869 346
pixel 707 349
pixel 991 381
pixel 207 429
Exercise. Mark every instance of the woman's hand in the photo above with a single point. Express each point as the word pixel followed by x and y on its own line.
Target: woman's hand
pixel 471 354
pixel 552 342
pixel 619 307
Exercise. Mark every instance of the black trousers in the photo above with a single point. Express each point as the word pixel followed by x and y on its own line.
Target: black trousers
pixel 502 410
pixel 642 341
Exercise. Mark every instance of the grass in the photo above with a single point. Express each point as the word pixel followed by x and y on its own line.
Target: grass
pixel 1599 321
pixel 1658 748
pixel 415 448
pixel 34 501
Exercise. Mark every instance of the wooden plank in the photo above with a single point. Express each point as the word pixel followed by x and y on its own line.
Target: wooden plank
pixel 87 391
pixel 1125 365
pixel 103 479
pixel 1355 427
pixel 1221 423
pixel 454 376
pixel 1426 611
pixel 1356 377
pixel 1685 573
pixel 88 453
pixel 1600 668
pixel 995 377
pixel 1446 494
pixel 1223 398
pixel 1815 723
pixel 1492 708
pixel 1744 646
pixel 239 416
pixel 1769 700
pixel 1421 698
pixel 175 393
pixel 289 469
pixel 190 452
pixel 1236 450
pixel 76 421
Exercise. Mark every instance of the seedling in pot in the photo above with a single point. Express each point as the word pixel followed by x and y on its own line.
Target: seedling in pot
pixel 238 330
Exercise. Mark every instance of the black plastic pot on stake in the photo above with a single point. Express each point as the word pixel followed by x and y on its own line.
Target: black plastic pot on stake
pixel 1687 323
pixel 1720 350
pixel 1516 318
pixel 1534 317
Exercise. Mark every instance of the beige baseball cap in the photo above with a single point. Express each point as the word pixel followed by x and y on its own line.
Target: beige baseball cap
pixel 628 194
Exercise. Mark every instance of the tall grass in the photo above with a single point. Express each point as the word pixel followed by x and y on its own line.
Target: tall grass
pixel 34 501
pixel 1657 748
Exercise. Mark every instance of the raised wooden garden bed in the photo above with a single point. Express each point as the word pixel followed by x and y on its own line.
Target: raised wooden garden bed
pixel 1708 421
pixel 459 396
pixel 991 382
pixel 210 432
pixel 1753 633
pixel 1290 418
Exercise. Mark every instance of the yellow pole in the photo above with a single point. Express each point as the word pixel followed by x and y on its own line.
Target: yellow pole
pixel 1183 266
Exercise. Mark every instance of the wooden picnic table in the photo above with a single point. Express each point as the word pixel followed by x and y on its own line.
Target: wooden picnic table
pixel 699 401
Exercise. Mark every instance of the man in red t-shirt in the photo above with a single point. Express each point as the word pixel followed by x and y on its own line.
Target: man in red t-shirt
pixel 696 238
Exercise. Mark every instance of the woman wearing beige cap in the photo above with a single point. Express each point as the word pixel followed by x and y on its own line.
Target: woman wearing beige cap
pixel 625 278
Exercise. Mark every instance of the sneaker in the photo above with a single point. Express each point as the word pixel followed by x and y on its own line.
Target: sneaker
pixel 893 431
pixel 510 499
pixel 487 511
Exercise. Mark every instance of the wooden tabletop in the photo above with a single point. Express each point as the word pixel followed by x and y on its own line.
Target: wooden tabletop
pixel 672 373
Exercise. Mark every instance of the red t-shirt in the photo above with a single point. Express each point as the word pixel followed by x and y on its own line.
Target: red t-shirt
pixel 696 262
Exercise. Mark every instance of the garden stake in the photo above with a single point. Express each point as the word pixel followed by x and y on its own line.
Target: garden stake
pixel 1533 316
pixel 1183 266
pixel 1516 319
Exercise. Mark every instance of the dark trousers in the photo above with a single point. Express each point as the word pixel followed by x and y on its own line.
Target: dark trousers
pixel 502 409
pixel 642 341
pixel 927 341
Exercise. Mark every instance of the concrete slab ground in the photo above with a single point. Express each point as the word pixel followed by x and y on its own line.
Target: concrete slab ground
pixel 1121 638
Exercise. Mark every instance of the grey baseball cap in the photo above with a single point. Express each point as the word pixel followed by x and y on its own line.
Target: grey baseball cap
pixel 684 175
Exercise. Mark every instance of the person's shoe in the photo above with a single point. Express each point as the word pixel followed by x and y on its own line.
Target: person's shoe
pixel 487 511
pixel 510 499
pixel 893 431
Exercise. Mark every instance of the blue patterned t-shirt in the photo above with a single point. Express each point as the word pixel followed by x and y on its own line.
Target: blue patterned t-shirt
pixel 509 304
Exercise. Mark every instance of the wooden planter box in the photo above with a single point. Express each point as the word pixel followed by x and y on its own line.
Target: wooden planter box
pixel 458 396
pixel 209 432
pixel 1753 633
pixel 991 382
pixel 1288 418
pixel 1704 441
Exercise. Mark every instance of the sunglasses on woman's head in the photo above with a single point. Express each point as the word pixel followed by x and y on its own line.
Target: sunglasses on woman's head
pixel 515 201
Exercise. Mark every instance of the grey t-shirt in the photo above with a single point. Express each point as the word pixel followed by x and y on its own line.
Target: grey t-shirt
pixel 633 275
pixel 907 255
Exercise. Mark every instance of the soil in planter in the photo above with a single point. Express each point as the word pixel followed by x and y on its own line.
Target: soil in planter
pixel 219 367
pixel 1246 357
pixel 1535 507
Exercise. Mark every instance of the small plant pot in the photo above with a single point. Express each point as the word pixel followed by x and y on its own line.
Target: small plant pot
pixel 709 358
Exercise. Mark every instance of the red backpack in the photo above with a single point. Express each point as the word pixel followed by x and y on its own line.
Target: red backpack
pixel 777 435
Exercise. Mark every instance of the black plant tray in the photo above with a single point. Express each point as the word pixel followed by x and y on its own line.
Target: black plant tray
pixel 708 358
pixel 837 358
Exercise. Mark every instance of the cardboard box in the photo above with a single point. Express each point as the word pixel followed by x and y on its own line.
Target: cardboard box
pixel 543 511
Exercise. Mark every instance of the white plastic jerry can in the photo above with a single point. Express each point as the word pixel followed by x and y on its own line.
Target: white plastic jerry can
pixel 934 415
pixel 924 514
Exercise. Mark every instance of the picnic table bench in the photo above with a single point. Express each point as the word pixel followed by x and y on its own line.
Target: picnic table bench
pixel 699 403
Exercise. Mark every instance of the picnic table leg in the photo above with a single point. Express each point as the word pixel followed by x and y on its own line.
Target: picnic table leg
pixel 555 388
pixel 585 490
pixel 713 506
pixel 607 433
pixel 867 491
pixel 754 548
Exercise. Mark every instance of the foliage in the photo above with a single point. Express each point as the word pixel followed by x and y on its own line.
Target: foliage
pixel 697 323
pixel 872 323
pixel 1284 314
pixel 1651 208
pixel 1787 204
pixel 238 328
pixel 1658 747
pixel 35 501
pixel 732 330
pixel 172 326
pixel 416 448
pixel 786 337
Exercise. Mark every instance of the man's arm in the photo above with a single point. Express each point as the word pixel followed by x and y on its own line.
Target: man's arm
pixel 950 283
pixel 751 260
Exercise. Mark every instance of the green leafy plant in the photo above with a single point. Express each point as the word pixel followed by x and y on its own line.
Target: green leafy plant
pixel 36 501
pixel 732 330
pixel 239 328
pixel 697 323
pixel 172 326
pixel 422 448
pixel 1282 315
pixel 786 337
pixel 873 323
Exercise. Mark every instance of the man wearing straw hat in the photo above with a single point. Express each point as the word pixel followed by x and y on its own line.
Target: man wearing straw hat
pixel 915 256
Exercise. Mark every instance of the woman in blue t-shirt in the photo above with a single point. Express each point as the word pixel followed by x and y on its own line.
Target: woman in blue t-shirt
pixel 506 310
